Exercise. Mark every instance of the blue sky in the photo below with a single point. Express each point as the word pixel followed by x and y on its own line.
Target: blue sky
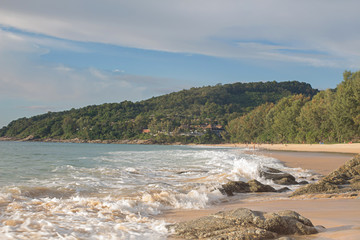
pixel 55 55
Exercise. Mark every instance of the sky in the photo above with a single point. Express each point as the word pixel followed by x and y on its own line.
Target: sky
pixel 57 55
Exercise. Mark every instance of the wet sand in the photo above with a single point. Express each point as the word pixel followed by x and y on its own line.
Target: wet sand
pixel 340 215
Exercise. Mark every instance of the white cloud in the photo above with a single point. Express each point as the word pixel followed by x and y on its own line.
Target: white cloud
pixel 25 76
pixel 209 27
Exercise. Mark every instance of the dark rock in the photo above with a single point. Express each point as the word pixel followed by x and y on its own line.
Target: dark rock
pixel 242 187
pixel 278 176
pixel 245 224
pixel 319 187
pixel 256 186
pixel 303 182
pixel 284 189
pixel 345 178
pixel 285 181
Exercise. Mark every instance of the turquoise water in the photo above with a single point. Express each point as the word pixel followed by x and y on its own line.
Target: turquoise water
pixel 100 191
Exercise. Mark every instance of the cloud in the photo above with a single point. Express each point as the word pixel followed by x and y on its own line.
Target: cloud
pixel 202 27
pixel 24 75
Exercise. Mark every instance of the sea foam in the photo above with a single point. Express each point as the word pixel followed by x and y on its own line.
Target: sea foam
pixel 115 194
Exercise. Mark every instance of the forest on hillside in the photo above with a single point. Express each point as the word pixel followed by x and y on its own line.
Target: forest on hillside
pixel 262 112
pixel 197 115
pixel 331 116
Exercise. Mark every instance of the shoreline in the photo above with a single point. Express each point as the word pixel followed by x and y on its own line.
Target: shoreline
pixel 351 148
pixel 338 213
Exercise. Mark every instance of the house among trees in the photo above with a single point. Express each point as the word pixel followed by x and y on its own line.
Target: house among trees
pixel 146 130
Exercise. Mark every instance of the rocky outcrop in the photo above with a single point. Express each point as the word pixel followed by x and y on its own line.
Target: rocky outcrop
pixel 278 176
pixel 28 138
pixel 244 224
pixel 242 187
pixel 345 178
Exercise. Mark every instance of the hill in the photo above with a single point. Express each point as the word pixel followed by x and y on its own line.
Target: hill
pixel 331 116
pixel 194 115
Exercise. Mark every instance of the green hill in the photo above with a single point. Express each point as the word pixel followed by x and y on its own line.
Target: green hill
pixel 194 115
pixel 331 116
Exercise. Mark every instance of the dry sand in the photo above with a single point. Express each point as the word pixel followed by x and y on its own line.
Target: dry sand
pixel 340 216
pixel 322 163
pixel 331 148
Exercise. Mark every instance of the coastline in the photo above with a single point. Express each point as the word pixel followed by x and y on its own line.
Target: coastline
pixel 338 213
pixel 352 148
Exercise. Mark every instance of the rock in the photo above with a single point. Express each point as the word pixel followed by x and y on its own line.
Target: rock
pixel 319 187
pixel 284 189
pixel 256 186
pixel 345 173
pixel 278 176
pixel 243 223
pixel 355 183
pixel 285 181
pixel 242 187
pixel 28 138
pixel 345 178
pixel 303 182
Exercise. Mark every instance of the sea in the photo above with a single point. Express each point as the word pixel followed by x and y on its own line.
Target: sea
pixel 114 191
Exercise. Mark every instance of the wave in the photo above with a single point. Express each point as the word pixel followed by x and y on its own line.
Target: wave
pixel 118 195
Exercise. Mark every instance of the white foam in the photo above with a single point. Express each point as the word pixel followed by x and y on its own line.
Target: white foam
pixel 117 195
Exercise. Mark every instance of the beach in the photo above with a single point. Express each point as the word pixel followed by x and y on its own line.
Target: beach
pixel 339 214
pixel 123 191
pixel 353 148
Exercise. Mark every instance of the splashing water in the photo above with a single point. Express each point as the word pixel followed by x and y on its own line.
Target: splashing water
pixel 97 191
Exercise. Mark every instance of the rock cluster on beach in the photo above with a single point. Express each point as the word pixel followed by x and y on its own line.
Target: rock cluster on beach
pixel 344 179
pixel 244 224
pixel 242 187
pixel 275 175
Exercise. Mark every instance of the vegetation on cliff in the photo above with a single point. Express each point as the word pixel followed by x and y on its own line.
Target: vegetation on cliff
pixel 330 116
pixel 269 112
pixel 196 115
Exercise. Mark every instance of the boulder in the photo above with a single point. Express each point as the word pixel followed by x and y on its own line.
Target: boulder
pixel 303 182
pixel 284 189
pixel 344 179
pixel 242 187
pixel 345 173
pixel 277 176
pixel 244 224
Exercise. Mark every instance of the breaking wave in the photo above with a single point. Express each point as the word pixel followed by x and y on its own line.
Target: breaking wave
pixel 115 194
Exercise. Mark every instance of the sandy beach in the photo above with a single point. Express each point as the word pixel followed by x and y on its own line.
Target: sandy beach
pixel 353 148
pixel 338 214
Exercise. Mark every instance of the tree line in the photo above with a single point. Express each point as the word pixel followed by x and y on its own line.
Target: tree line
pixel 174 117
pixel 331 116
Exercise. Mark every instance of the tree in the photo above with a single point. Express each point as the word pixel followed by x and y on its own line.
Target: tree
pixel 250 127
pixel 346 108
pixel 314 119
pixel 282 119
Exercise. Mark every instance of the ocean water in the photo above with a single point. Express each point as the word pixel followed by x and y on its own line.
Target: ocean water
pixel 110 191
